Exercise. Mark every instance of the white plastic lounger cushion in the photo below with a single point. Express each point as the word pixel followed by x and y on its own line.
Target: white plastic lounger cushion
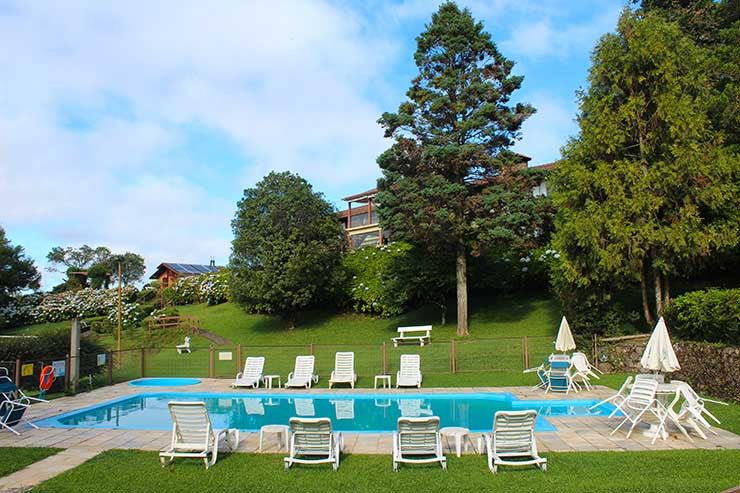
pixel 409 374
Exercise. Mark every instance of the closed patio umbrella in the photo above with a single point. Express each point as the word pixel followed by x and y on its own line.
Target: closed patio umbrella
pixel 564 342
pixel 659 354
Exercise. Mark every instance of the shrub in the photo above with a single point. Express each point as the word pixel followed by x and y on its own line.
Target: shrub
pixel 712 315
pixel 101 325
pixel 375 285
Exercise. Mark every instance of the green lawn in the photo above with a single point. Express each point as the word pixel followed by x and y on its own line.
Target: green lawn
pixel 675 471
pixel 14 459
pixel 36 329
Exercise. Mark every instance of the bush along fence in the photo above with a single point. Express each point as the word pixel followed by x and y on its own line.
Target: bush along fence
pixel 442 357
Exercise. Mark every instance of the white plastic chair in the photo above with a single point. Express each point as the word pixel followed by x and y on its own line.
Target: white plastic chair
pixel 252 374
pixel 583 370
pixel 641 401
pixel 312 441
pixel 693 409
pixel 302 375
pixel 512 442
pixel 193 434
pixel 617 399
pixel 417 441
pixel 344 369
pixel 409 374
pixel 185 347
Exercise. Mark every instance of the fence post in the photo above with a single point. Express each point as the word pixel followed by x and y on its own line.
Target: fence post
pixel 310 349
pixel 385 358
pixel 18 372
pixel 66 372
pixel 211 369
pixel 453 356
pixel 525 348
pixel 238 358
pixel 143 360
pixel 110 367
pixel 595 351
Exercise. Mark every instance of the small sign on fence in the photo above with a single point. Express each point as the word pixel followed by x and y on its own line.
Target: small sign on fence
pixel 225 356
pixel 60 367
pixel 101 359
pixel 27 370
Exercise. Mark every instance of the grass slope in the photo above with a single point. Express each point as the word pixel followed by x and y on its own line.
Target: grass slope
pixel 675 471
pixel 14 459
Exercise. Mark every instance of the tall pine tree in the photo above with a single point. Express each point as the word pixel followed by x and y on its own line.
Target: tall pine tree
pixel 449 185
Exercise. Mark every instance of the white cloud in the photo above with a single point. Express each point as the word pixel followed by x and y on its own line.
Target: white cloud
pixel 545 132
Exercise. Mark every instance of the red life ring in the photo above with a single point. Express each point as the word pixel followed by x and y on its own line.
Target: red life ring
pixel 47 378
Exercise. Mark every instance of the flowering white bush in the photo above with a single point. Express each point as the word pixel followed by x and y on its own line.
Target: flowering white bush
pixel 56 307
pixel 211 288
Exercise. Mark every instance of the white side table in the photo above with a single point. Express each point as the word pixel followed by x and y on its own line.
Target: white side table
pixel 281 432
pixel 460 435
pixel 268 380
pixel 385 381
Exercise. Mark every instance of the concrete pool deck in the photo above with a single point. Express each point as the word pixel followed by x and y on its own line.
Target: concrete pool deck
pixel 582 434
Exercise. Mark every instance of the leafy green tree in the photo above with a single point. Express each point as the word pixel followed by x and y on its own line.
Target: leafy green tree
pixel 287 246
pixel 449 184
pixel 17 272
pixel 75 262
pixel 647 187
pixel 99 264
pixel 132 267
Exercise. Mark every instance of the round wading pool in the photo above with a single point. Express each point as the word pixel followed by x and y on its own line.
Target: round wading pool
pixel 164 382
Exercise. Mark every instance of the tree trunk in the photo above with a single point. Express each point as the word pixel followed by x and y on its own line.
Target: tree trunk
pixel 666 293
pixel 461 272
pixel 658 282
pixel 645 298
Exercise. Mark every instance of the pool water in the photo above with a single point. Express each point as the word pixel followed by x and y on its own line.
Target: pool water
pixel 356 413
pixel 164 382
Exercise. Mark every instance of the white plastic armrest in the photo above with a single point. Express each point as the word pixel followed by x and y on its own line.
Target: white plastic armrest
pixel 238 376
pixel 290 375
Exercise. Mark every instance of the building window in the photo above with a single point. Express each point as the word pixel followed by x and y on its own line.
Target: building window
pixel 364 239
pixel 358 220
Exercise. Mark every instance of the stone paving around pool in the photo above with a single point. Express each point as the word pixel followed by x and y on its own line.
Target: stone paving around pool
pixel 582 434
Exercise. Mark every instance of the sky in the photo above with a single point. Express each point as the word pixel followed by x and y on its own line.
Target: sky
pixel 137 125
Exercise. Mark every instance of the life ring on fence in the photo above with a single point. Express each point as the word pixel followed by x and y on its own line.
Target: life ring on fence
pixel 47 378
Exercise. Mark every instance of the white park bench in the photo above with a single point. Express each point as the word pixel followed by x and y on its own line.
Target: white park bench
pixel 419 333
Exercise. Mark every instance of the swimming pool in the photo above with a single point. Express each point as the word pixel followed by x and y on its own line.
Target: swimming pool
pixel 348 412
pixel 164 382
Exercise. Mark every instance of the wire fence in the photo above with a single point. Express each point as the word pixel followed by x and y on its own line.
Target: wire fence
pixel 440 357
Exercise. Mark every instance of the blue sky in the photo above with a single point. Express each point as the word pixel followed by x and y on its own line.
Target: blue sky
pixel 137 125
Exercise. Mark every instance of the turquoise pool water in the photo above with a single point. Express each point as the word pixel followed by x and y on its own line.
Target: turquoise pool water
pixel 356 413
pixel 164 382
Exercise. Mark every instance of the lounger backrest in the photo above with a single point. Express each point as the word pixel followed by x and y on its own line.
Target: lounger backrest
pixel 623 388
pixel 253 366
pixel 311 436
pixel 513 431
pixel 559 357
pixel 303 367
pixel 418 435
pixel 410 365
pixel 344 363
pixel 11 412
pixel 691 398
pixel 191 421
pixel 642 393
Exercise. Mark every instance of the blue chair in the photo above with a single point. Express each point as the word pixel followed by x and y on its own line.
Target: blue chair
pixel 11 415
pixel 560 378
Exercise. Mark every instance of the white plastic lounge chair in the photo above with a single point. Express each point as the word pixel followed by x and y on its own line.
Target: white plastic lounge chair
pixel 512 441
pixel 312 441
pixel 193 434
pixel 592 370
pixel 344 369
pixel 412 408
pixel 252 374
pixel 254 406
pixel 185 347
pixel 558 357
pixel 542 372
pixel 418 441
pixel 641 402
pixel 409 375
pixel 302 375
pixel 304 407
pixel 344 408
pixel 583 370
pixel 617 399
pixel 11 415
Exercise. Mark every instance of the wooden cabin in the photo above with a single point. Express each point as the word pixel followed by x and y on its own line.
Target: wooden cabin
pixel 169 272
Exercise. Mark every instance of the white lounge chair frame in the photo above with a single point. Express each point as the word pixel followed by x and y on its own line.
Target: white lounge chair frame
pixel 417 441
pixel 11 415
pixel 693 409
pixel 617 399
pixel 193 434
pixel 312 441
pixel 185 347
pixel 302 375
pixel 409 374
pixel 252 374
pixel 344 369
pixel 513 438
